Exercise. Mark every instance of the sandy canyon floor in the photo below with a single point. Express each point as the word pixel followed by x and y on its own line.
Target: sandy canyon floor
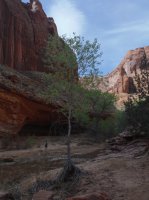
pixel 122 171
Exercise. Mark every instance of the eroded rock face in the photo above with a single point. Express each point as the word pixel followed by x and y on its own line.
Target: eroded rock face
pixel 101 196
pixel 122 79
pixel 43 195
pixel 24 29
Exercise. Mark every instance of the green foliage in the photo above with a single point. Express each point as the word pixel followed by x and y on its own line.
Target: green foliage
pixel 88 54
pixel 137 112
pixel 30 142
pixel 60 59
pixel 75 59
pixel 67 53
pixel 100 107
pixel 67 97
pixel 120 121
pixel 106 129
pixel 137 108
pixel 109 127
pixel 100 101
pixel 73 56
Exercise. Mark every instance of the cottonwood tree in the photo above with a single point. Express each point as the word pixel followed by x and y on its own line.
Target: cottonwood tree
pixel 101 106
pixel 67 60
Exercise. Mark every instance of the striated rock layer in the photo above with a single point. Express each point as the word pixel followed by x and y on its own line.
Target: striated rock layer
pixel 121 80
pixel 24 29
pixel 94 196
pixel 22 101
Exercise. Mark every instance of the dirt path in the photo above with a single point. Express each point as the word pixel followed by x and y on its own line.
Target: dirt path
pixel 123 172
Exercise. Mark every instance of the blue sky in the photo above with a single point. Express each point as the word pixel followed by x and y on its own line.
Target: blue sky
pixel 119 25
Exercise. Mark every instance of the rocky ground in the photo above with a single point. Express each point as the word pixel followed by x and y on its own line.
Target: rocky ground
pixel 120 171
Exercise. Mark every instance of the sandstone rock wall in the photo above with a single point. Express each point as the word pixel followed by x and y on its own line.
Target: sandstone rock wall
pixel 24 30
pixel 122 79
pixel 23 34
pixel 22 101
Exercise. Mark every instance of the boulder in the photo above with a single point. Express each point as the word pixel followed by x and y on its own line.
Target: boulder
pixel 6 196
pixel 43 195
pixel 101 196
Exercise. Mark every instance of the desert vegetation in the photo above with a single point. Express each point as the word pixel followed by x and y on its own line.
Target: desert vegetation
pixel 76 58
pixel 137 107
pixel 72 81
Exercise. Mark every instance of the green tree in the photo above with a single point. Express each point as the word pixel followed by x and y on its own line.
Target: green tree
pixel 68 59
pixel 101 107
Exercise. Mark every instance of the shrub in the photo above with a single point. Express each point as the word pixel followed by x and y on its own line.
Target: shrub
pixel 137 108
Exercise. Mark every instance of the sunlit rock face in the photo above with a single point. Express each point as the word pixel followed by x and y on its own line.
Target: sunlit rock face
pixel 24 29
pixel 121 81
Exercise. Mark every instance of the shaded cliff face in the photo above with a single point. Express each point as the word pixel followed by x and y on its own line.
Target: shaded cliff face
pixel 24 29
pixel 22 101
pixel 122 79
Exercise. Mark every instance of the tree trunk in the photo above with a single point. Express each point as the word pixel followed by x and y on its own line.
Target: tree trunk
pixel 96 128
pixel 69 134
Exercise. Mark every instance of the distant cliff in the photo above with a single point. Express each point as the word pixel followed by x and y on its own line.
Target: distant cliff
pixel 121 80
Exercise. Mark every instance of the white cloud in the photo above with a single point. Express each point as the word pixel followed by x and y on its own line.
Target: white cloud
pixel 138 26
pixel 67 16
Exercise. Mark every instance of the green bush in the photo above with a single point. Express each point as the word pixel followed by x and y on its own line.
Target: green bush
pixel 137 113
pixel 30 142
pixel 137 107
pixel 120 122
pixel 109 127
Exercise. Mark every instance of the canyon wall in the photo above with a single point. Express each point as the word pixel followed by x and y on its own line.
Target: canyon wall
pixel 23 34
pixel 24 30
pixel 121 81
pixel 122 78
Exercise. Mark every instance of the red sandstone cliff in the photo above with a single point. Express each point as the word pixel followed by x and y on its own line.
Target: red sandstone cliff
pixel 23 33
pixel 121 81
pixel 22 101
pixel 24 29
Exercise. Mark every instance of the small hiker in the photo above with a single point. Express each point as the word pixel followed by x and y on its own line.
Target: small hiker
pixel 46 144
